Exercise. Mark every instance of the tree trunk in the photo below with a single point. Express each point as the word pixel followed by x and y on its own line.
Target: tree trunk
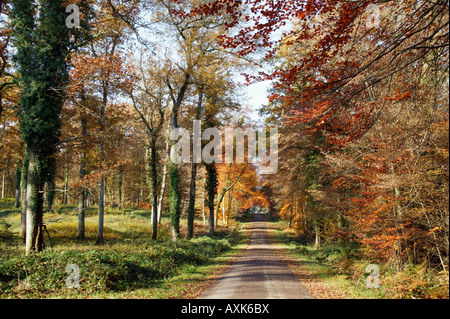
pixel 175 195
pixel 191 207
pixel 226 188
pixel 317 235
pixel 203 207
pixel 174 199
pixel 82 196
pixel 101 210
pixel 49 194
pixel 17 186
pixel 35 205
pixel 195 159
pixel 219 201
pixel 111 192
pixel 17 198
pixel 81 214
pixel 164 177
pixel 161 193
pixel 101 184
pixel 105 190
pixel 154 216
pixel 223 211
pixel 340 226
pixel 138 198
pixel 66 186
pixel 230 199
pixel 3 184
pixel 119 189
pixel 23 185
pixel 154 188
pixel 211 185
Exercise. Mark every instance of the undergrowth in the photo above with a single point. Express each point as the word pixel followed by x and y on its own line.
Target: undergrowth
pixel 128 260
pixel 104 270
pixel 345 267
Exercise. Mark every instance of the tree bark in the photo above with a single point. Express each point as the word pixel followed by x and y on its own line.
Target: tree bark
pixel 191 207
pixel 101 211
pixel 151 167
pixel 154 188
pixel 119 189
pixel 23 185
pixel 211 185
pixel 230 199
pixel 82 196
pixel 34 208
pixel 101 184
pixel 175 194
pixel 192 186
pixel 174 199
pixel 203 205
pixel 66 186
pixel 316 235
pixel 164 177
pixel 162 192
pixel 111 192
pixel 17 186
pixel 3 184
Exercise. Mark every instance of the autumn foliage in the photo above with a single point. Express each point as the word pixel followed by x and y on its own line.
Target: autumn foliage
pixel 361 90
pixel 359 94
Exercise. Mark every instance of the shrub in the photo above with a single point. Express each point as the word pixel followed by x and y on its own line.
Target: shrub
pixel 416 281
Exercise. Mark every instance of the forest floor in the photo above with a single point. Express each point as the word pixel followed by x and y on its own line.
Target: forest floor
pixel 127 265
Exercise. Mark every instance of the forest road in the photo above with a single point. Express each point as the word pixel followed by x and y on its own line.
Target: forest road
pixel 257 273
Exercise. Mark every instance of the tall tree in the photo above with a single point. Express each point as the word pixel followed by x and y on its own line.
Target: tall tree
pixel 42 43
pixel 151 102
pixel 193 59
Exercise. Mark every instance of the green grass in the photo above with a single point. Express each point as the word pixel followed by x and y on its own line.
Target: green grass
pixel 128 265
pixel 326 265
pixel 343 268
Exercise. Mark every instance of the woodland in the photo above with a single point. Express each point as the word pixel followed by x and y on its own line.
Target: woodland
pixel 91 91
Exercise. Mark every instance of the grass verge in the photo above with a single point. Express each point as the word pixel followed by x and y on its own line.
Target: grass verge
pixel 339 272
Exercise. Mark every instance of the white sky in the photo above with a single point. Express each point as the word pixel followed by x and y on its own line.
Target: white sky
pixel 257 95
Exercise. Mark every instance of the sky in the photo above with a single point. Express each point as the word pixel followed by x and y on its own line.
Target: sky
pixel 257 96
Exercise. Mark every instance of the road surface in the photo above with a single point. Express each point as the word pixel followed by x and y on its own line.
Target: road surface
pixel 258 273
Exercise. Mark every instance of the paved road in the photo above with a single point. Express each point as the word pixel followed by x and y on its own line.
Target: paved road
pixel 258 273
